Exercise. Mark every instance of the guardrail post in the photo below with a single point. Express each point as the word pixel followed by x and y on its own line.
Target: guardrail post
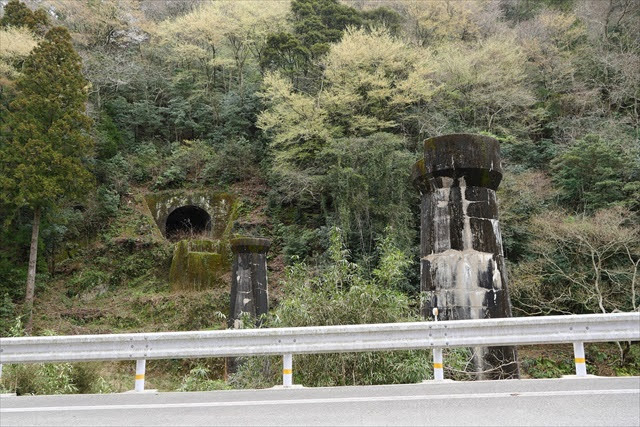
pixel 438 369
pixel 581 363
pixel 287 370
pixel 141 365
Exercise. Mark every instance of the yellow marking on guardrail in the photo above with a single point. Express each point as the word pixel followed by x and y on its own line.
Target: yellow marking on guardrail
pixel 139 376
pixel 580 360
pixel 437 365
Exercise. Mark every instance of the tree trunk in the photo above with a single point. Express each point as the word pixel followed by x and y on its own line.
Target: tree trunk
pixel 31 275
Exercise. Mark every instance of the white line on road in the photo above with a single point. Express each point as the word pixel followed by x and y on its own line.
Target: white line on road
pixel 314 401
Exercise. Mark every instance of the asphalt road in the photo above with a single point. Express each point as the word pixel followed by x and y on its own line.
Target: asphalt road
pixel 572 401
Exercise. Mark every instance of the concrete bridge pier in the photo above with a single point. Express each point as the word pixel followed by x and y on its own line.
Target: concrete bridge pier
pixel 462 262
pixel 249 287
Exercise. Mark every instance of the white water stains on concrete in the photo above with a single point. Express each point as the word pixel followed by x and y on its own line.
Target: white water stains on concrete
pixel 467 236
pixel 461 280
pixel 462 265
pixel 452 269
pixel 441 217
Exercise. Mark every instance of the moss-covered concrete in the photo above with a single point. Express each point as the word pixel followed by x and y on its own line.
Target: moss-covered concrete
pixel 250 244
pixel 476 158
pixel 198 265
pixel 220 206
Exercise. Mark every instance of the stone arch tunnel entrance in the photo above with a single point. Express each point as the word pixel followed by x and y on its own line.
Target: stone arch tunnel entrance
pixel 187 221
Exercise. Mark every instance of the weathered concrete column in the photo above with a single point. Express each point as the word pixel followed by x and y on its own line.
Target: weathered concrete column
pixel 249 289
pixel 462 263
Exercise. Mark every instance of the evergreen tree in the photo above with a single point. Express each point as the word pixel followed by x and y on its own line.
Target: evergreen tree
pixel 16 14
pixel 45 137
pixel 320 22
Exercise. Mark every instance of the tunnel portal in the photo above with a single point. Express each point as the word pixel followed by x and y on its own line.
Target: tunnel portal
pixel 187 221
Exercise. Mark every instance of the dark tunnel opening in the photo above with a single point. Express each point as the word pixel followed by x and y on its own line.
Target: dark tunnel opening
pixel 187 221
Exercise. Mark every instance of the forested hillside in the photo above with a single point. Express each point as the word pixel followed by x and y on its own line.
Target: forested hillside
pixel 311 113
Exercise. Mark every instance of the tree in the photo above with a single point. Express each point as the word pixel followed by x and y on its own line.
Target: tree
pixel 584 264
pixel 16 14
pixel 341 294
pixel 285 52
pixel 219 38
pixel 482 86
pixel 370 81
pixel 433 22
pixel 15 45
pixel 17 39
pixel 320 22
pixel 368 190
pixel 595 173
pixel 45 138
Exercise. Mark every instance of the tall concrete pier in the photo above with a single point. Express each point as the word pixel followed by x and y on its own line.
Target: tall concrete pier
pixel 462 262
pixel 249 289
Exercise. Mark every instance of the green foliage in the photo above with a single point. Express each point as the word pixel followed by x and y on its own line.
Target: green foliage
pixel 108 203
pixel 15 45
pixel 199 379
pixel 338 294
pixel 522 196
pixel 631 366
pixel 109 139
pixel 134 264
pixel 367 183
pixel 41 379
pixel 86 280
pixel 12 279
pixel 580 265
pixel 116 172
pixel 522 10
pixel 285 52
pixel 384 16
pixel 526 153
pixel 393 263
pixel 7 314
pixel 320 22
pixel 543 367
pixel 592 174
pixel 330 104
pixel 145 163
pixel 16 14
pixel 45 137
pixel 187 162
pixel 371 81
pixel 50 378
pixel 54 378
pixel 316 25
pixel 300 243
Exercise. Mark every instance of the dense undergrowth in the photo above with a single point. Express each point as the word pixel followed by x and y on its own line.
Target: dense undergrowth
pixel 311 113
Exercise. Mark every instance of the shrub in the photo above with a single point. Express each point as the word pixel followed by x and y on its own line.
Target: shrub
pixel 338 294
pixel 51 378
pixel 199 379
pixel 86 279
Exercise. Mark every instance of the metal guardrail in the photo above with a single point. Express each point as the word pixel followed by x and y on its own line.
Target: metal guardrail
pixel 323 339
pixel 326 339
